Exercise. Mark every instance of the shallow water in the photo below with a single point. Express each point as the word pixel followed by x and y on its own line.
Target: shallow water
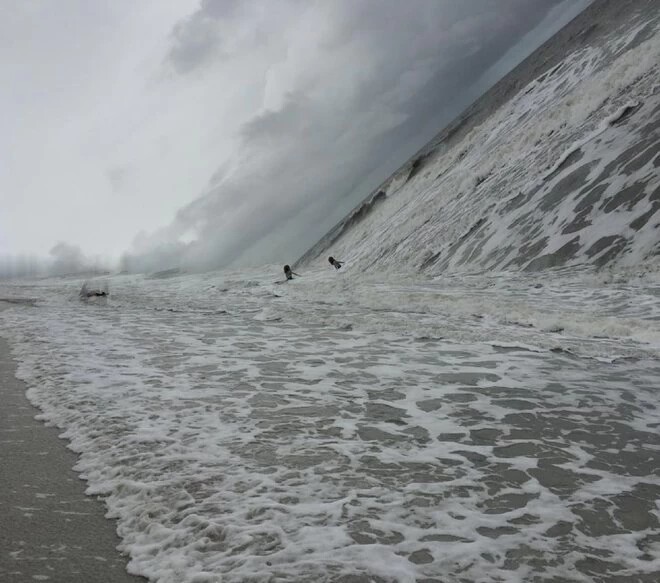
pixel 475 428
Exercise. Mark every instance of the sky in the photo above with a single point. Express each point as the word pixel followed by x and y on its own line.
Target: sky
pixel 198 134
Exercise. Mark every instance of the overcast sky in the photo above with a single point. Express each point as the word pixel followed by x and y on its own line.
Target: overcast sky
pixel 223 130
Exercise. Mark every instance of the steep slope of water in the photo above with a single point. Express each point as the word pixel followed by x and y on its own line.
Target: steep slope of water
pixel 556 166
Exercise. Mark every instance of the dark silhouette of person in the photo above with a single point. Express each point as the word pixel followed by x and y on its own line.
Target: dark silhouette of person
pixel 289 273
pixel 336 264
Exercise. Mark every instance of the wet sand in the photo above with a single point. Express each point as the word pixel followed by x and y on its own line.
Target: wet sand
pixel 51 531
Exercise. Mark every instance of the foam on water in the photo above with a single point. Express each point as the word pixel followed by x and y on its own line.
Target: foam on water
pixel 563 173
pixel 334 429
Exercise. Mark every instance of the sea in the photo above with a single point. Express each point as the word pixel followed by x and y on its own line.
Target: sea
pixel 472 398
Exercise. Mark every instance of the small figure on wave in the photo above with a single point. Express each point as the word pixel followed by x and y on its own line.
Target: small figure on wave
pixel 289 272
pixel 336 264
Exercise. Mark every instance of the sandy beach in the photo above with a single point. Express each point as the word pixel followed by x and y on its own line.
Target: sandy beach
pixel 57 533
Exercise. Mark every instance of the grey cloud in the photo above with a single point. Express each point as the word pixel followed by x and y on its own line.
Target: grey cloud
pixel 63 259
pixel 196 39
pixel 67 259
pixel 118 177
pixel 193 45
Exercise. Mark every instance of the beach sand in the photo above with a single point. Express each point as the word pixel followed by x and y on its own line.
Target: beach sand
pixel 51 531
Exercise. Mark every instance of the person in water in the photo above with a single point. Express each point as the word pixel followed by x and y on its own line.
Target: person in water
pixel 289 273
pixel 336 264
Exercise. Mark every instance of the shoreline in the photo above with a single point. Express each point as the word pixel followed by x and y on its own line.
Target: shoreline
pixel 57 533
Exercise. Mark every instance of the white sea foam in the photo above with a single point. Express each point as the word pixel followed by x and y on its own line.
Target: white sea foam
pixel 365 427
pixel 523 147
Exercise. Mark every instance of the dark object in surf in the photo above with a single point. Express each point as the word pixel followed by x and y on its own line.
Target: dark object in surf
pixel 336 264
pixel 289 273
pixel 86 293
